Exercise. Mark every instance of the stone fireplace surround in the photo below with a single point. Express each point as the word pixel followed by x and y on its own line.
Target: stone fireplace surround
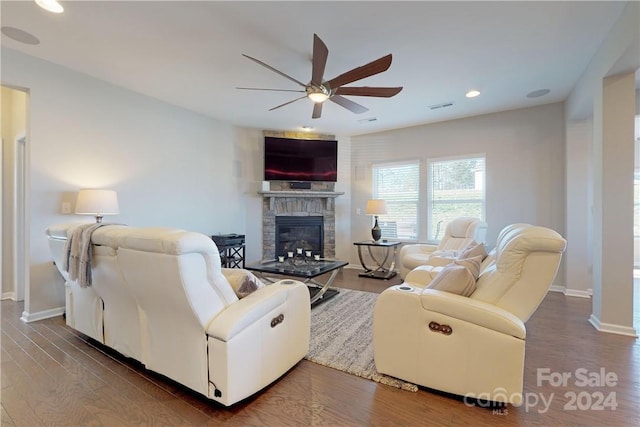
pixel 280 200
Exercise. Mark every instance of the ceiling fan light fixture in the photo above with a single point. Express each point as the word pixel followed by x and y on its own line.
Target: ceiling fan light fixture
pixel 317 94
pixel 50 5
pixel 318 97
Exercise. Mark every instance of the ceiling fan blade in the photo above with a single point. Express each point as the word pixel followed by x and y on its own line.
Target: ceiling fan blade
pixel 370 69
pixel 317 110
pixel 275 90
pixel 287 103
pixel 349 104
pixel 382 92
pixel 320 54
pixel 274 70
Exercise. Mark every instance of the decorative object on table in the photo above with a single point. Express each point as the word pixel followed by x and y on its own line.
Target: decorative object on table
pixel 376 207
pixel 299 257
pixel 97 203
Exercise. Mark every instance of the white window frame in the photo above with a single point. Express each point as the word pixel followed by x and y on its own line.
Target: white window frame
pixel 375 195
pixel 428 192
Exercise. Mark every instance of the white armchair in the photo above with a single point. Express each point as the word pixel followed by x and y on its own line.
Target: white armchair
pixel 457 234
pixel 470 346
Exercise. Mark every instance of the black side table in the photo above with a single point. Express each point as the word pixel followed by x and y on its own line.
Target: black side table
pixel 379 271
pixel 231 247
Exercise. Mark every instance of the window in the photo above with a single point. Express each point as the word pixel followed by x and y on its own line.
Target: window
pixel 455 188
pixel 398 185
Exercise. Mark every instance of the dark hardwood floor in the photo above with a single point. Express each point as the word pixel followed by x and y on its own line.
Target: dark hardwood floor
pixel 52 375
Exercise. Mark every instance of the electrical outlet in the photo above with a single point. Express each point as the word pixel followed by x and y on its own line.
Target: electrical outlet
pixel 66 207
pixel 358 211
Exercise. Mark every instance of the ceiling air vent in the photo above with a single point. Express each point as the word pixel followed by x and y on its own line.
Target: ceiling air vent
pixel 370 119
pixel 443 105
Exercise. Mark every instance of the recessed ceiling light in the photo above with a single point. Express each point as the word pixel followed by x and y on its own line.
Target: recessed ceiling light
pixel 20 35
pixel 307 128
pixel 50 5
pixel 538 93
pixel 472 93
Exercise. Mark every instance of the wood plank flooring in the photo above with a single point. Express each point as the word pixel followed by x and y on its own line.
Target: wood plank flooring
pixel 52 375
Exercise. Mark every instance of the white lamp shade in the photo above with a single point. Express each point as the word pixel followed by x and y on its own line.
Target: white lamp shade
pixel 97 202
pixel 376 207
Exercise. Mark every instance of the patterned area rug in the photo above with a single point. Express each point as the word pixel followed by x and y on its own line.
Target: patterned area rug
pixel 342 337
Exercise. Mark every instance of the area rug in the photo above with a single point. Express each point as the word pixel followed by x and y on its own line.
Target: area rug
pixel 342 337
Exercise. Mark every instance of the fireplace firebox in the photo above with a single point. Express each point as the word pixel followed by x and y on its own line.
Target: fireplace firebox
pixel 299 232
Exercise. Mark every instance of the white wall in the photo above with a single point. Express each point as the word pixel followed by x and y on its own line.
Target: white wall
pixel 579 202
pixel 618 54
pixel 170 167
pixel 524 160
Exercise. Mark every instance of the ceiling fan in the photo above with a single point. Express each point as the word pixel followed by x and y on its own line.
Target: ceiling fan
pixel 319 90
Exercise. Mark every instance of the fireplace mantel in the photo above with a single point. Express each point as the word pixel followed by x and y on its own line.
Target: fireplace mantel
pixel 328 195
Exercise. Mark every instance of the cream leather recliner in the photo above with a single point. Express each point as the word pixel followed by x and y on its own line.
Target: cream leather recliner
pixel 160 296
pixel 469 346
pixel 458 233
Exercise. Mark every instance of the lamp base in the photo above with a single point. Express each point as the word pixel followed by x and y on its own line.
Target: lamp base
pixel 376 233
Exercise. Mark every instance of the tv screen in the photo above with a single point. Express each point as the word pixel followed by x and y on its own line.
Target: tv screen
pixel 287 159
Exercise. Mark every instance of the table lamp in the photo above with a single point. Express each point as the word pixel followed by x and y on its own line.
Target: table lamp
pixel 97 203
pixel 376 207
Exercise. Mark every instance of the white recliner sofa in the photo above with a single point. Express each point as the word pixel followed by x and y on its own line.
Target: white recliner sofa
pixel 469 346
pixel 160 296
pixel 459 233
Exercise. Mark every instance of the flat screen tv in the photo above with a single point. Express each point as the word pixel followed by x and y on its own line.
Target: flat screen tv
pixel 288 159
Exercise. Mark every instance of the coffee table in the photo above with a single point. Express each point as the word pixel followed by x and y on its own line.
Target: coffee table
pixel 303 269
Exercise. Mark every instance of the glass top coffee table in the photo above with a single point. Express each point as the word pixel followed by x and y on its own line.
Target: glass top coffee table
pixel 303 269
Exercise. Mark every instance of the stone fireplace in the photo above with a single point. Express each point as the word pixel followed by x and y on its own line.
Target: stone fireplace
pixel 315 207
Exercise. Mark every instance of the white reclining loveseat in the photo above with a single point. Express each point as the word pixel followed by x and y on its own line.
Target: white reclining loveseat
pixel 464 332
pixel 160 296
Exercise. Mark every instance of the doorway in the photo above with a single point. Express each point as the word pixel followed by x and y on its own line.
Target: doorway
pixel 13 222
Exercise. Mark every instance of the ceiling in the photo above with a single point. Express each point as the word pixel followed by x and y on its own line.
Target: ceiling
pixel 189 54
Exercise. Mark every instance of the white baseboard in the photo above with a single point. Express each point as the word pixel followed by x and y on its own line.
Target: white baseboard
pixel 612 328
pixel 571 292
pixel 46 314
pixel 8 295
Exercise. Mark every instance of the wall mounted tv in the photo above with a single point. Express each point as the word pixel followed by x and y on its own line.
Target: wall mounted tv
pixel 288 159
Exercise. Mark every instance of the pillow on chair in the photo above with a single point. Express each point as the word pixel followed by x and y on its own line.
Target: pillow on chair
pixel 473 250
pixel 472 264
pixel 250 284
pixel 455 279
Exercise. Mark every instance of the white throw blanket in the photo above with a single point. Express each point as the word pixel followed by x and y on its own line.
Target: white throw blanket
pixel 77 253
